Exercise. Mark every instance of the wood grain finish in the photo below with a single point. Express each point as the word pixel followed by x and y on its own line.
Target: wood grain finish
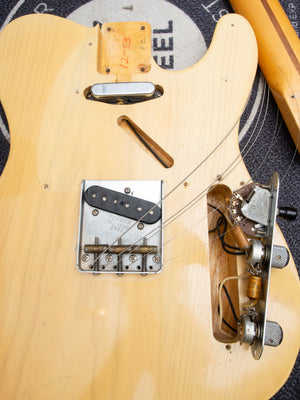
pixel 66 335
pixel 278 56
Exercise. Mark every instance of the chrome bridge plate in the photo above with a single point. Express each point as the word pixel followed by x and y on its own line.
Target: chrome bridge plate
pixel 112 243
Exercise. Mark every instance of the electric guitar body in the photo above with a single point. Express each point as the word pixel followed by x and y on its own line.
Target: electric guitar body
pixel 67 333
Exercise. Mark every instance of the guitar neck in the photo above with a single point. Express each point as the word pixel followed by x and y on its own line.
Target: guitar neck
pixel 279 56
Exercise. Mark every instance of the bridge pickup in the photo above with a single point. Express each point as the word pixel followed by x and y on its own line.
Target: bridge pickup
pixel 112 243
pixel 122 204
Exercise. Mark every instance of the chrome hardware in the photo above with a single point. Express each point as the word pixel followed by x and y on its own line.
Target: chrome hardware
pixel 114 239
pixel 122 89
pixel 280 257
pixel 254 208
pixel 273 334
pixel 247 330
pixel 123 92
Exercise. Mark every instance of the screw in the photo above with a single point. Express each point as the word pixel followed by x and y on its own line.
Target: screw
pixel 156 259
pixel 108 257
pixel 85 257
pixel 140 226
pixel 127 190
pixel 107 70
pixel 108 29
pixel 132 257
pixel 95 212
pixel 143 28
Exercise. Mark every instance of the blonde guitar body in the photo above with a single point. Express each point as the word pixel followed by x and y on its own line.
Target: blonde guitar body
pixel 69 335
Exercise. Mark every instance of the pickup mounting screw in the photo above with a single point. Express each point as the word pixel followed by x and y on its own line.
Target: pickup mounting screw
pixel 127 190
pixel 140 226
pixel 95 212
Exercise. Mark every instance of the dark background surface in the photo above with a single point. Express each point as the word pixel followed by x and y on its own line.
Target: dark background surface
pixel 271 146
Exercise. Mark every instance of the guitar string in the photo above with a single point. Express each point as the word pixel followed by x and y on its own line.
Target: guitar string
pixel 205 244
pixel 178 184
pixel 198 166
pixel 192 202
pixel 276 130
pixel 275 134
pixel 262 162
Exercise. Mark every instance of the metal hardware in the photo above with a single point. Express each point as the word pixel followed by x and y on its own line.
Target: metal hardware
pixel 247 330
pixel 124 249
pixel 270 210
pixel 256 253
pixel 256 206
pixel 273 334
pixel 122 89
pixel 156 259
pixel 280 257
pixel 114 241
pixel 123 92
pixel 85 257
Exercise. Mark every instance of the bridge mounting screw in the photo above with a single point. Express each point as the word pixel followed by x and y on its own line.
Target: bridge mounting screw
pixel 156 259
pixel 85 257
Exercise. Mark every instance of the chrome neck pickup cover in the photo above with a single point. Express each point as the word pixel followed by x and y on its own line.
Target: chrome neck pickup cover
pixel 123 92
pixel 120 227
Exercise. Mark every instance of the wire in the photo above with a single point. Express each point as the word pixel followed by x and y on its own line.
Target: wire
pixel 220 306
pixel 222 220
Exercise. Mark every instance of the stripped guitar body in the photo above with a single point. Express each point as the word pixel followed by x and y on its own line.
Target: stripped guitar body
pixel 70 335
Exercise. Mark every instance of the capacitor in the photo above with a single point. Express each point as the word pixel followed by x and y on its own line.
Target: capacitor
pixel 254 287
